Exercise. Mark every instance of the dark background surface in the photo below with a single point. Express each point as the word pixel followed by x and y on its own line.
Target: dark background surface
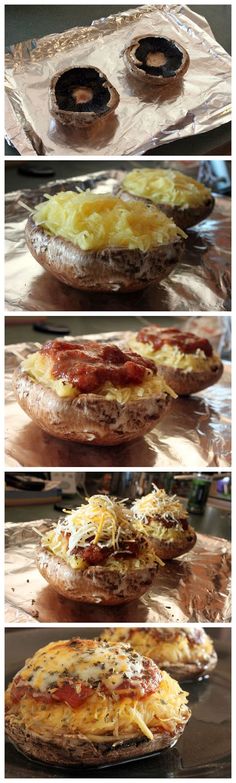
pixel 31 174
pixel 26 21
pixel 202 752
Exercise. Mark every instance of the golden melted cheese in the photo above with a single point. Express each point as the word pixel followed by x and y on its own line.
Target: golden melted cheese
pixel 83 661
pixel 172 356
pixel 163 651
pixel 101 718
pixel 166 186
pixel 95 222
pixel 104 522
pixel 39 367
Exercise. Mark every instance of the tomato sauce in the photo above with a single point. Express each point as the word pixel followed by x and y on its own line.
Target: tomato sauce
pixel 94 554
pixel 187 342
pixel 87 365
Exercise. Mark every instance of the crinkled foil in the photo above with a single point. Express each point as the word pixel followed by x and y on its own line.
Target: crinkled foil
pixel 195 433
pixel 201 281
pixel 194 588
pixel 145 118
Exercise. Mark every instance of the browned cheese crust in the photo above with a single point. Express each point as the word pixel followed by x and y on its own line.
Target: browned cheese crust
pixel 132 63
pixel 189 671
pixel 110 269
pixel 70 750
pixel 168 550
pixel 97 584
pixel 189 383
pixel 87 418
pixel 183 217
pixel 80 119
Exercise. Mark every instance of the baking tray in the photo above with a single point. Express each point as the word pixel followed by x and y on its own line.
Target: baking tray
pixel 184 590
pixel 145 118
pixel 196 432
pixel 201 281
pixel 204 749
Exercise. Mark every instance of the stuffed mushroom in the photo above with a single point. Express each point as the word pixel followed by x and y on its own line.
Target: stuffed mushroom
pixel 91 392
pixel 81 95
pixel 89 703
pixel 179 196
pixel 164 521
pixel 156 60
pixel 95 554
pixel 186 653
pixel 101 243
pixel 186 361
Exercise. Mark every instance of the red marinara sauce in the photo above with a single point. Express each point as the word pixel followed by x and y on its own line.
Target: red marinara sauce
pixel 146 682
pixel 87 365
pixel 186 341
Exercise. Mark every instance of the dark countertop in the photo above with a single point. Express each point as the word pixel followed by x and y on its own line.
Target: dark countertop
pixel 23 22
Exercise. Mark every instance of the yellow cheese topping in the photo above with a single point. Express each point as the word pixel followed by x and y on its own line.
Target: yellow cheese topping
pixel 39 367
pixel 101 718
pixel 95 222
pixel 149 508
pixel 166 186
pixel 104 522
pixel 181 649
pixel 172 356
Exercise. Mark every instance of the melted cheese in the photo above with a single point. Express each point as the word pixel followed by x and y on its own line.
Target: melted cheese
pixel 87 662
pixel 39 367
pixel 172 356
pixel 94 222
pixel 166 186
pixel 102 718
pixel 104 522
pixel 179 650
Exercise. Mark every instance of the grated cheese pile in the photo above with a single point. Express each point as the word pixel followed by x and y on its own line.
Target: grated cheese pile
pixel 101 521
pixel 166 186
pixel 159 504
pixel 95 222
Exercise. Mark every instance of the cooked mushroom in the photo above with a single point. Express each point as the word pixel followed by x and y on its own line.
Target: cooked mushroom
pixel 156 59
pixel 80 96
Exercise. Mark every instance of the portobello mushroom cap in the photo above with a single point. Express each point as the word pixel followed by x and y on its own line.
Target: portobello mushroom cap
pixel 156 59
pixel 88 418
pixel 97 584
pixel 168 550
pixel 109 269
pixel 72 750
pixel 81 95
pixel 185 383
pixel 189 671
pixel 184 217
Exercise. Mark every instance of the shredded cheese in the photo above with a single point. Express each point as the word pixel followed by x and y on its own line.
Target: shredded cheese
pixel 172 356
pixel 166 186
pixel 102 521
pixel 95 222
pixel 39 367
pixel 157 503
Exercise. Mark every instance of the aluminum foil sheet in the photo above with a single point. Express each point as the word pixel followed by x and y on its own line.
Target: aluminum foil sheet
pixel 145 118
pixel 193 588
pixel 202 281
pixel 194 434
